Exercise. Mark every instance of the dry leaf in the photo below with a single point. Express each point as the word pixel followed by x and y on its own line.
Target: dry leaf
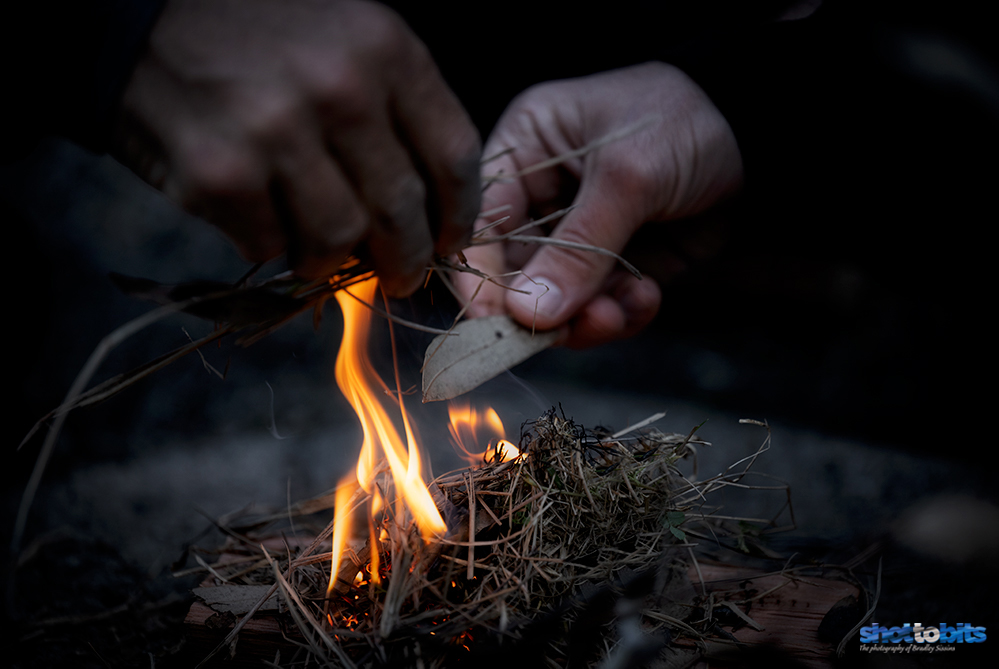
pixel 236 599
pixel 484 348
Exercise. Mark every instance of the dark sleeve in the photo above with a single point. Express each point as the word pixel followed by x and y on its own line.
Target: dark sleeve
pixel 65 65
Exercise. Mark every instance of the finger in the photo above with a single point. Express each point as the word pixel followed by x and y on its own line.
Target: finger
pixel 598 322
pixel 507 200
pixel 504 206
pixel 400 242
pixel 445 146
pixel 393 197
pixel 228 187
pixel 482 296
pixel 560 280
pixel 503 194
pixel 627 306
pixel 523 138
pixel 322 216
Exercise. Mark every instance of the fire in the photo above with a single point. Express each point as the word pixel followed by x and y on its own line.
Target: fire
pixel 470 428
pixel 368 394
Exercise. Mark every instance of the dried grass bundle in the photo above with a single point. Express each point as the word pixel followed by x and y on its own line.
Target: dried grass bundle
pixel 578 511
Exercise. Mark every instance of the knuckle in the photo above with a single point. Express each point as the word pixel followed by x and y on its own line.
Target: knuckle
pixel 272 120
pixel 341 90
pixel 532 97
pixel 381 34
pixel 378 39
pixel 401 206
pixel 221 174
pixel 346 77
pixel 384 31
pixel 340 236
pixel 522 114
pixel 540 102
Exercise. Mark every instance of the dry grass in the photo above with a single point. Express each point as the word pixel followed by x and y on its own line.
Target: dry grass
pixel 579 511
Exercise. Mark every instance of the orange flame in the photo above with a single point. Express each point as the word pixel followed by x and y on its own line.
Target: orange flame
pixel 470 428
pixel 366 392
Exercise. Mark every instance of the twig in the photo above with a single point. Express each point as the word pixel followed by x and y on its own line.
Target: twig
pixel 563 243
pixel 106 345
pixel 479 240
pixel 841 647
pixel 569 155
pixel 397 319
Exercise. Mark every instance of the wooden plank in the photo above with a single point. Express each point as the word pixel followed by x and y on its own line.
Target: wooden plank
pixel 788 610
pixel 785 613
pixel 262 638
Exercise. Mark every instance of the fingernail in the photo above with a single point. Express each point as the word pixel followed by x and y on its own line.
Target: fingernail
pixel 542 296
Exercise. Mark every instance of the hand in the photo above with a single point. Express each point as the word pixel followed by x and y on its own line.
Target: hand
pixel 678 163
pixel 306 127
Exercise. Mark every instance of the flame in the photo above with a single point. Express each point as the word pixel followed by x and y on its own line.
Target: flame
pixel 470 428
pixel 367 393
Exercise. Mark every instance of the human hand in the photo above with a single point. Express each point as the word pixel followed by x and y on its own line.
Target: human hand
pixel 306 127
pixel 678 163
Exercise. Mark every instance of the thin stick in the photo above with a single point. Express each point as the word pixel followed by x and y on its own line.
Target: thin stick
pixel 470 572
pixel 639 425
pixel 841 648
pixel 490 226
pixel 114 385
pixel 400 321
pixel 569 155
pixel 551 241
pixel 482 241
pixel 89 369
pixel 293 598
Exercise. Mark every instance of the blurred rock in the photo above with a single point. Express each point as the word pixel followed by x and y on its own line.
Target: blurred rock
pixel 951 528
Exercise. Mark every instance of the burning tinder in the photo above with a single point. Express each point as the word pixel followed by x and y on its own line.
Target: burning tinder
pixel 470 427
pixel 375 405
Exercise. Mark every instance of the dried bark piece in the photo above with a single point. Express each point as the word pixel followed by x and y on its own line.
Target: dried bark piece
pixel 236 599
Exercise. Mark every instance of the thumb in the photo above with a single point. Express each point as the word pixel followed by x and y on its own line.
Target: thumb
pixel 557 281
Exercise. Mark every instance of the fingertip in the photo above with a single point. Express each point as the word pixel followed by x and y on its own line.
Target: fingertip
pixel 316 252
pixel 639 301
pixel 537 302
pixel 402 286
pixel 400 274
pixel 311 267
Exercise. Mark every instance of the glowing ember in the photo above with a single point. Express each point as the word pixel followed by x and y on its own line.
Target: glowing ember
pixel 471 428
pixel 366 392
